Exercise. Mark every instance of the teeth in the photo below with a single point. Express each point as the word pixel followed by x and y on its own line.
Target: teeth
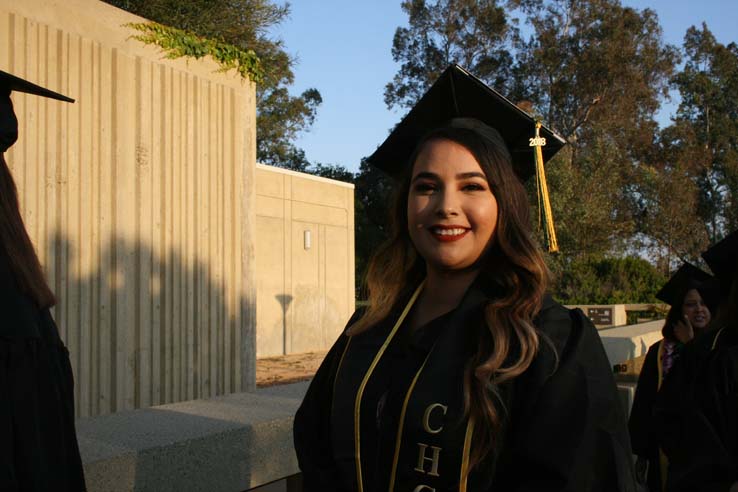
pixel 449 232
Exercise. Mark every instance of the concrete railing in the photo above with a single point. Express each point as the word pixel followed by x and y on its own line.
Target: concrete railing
pixel 231 443
pixel 628 342
pixel 623 343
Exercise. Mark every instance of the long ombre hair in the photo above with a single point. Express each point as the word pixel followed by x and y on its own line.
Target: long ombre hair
pixel 513 262
pixel 16 245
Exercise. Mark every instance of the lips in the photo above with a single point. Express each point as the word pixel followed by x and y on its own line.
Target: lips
pixel 448 233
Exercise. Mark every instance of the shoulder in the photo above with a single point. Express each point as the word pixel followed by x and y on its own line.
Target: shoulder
pixel 654 347
pixel 569 346
pixel 562 326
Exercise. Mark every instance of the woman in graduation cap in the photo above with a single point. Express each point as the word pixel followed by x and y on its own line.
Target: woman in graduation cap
pixel 462 374
pixel 38 444
pixel 692 295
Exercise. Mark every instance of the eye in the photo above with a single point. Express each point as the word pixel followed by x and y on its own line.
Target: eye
pixel 473 186
pixel 424 187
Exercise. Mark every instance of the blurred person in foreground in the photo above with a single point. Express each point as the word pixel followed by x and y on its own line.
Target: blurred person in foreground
pixel 38 443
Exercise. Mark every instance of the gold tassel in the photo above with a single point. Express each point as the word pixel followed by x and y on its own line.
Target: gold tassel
pixel 544 204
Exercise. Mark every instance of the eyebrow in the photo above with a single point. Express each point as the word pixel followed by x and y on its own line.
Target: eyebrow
pixel 472 174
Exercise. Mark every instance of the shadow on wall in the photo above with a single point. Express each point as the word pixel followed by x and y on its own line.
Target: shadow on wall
pixel 620 349
pixel 284 301
pixel 149 326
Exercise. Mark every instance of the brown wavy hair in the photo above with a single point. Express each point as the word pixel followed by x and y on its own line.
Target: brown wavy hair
pixel 513 261
pixel 16 245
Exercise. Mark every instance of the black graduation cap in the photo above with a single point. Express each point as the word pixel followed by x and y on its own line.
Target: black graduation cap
pixel 8 121
pixel 459 94
pixel 722 258
pixel 685 278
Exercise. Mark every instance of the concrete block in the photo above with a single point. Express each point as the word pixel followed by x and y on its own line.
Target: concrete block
pixel 230 443
pixel 627 342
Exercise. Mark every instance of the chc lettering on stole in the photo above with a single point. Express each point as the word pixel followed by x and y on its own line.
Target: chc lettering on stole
pixel 429 455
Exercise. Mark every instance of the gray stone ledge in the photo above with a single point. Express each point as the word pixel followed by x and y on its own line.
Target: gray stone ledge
pixel 628 342
pixel 230 443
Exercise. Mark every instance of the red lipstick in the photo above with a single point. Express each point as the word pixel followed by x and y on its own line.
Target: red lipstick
pixel 448 233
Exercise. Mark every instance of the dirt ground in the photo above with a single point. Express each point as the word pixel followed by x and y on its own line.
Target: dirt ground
pixel 293 368
pixel 287 368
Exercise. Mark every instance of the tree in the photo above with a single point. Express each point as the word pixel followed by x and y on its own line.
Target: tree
pixel 603 280
pixel 245 24
pixel 595 71
pixel 671 230
pixel 704 135
pixel 472 33
pixel 373 197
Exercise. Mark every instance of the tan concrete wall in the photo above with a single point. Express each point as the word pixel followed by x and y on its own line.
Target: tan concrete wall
pixel 140 200
pixel 305 295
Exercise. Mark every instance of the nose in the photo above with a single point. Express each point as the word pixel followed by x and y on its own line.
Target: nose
pixel 447 204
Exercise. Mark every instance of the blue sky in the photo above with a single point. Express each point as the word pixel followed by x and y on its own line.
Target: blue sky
pixel 343 49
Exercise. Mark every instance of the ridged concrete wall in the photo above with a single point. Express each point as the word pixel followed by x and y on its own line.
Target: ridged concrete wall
pixel 139 198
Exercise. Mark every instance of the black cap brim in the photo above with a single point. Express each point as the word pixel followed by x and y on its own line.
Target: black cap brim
pixel 722 258
pixel 686 277
pixel 9 82
pixel 459 94
pixel 8 121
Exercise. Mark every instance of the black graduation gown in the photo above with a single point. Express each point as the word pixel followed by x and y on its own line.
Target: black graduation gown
pixel 643 435
pixel 693 416
pixel 38 443
pixel 565 428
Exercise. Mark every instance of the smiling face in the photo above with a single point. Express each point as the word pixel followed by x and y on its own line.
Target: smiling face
pixel 694 308
pixel 451 211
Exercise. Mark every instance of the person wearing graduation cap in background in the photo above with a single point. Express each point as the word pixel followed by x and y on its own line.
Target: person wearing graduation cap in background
pixel 462 373
pixel 696 412
pixel 38 443
pixel 692 295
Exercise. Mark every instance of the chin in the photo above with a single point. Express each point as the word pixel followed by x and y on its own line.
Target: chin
pixel 450 266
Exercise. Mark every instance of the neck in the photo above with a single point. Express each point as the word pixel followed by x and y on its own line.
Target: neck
pixel 445 289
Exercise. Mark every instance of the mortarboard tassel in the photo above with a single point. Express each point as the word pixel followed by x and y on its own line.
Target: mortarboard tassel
pixel 544 204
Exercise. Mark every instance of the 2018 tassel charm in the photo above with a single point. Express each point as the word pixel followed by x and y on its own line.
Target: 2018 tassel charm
pixel 545 215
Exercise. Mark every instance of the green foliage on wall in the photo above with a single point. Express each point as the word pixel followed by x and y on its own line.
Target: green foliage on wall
pixel 178 43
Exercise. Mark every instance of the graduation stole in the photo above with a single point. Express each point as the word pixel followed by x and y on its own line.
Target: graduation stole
pixel 432 436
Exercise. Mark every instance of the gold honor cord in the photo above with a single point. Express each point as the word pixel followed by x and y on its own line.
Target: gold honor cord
pixel 340 364
pixel 465 455
pixel 360 393
pixel 660 364
pixel 402 422
pixel 715 340
pixel 544 203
